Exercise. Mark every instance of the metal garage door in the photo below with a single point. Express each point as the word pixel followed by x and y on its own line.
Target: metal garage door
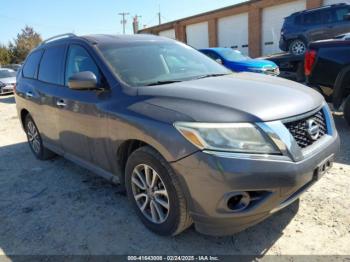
pixel 233 32
pixel 272 21
pixel 332 2
pixel 168 33
pixel 197 35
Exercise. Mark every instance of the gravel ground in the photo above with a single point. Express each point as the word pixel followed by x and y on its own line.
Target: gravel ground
pixel 56 207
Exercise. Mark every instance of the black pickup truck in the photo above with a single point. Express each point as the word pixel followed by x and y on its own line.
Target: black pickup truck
pixel 327 68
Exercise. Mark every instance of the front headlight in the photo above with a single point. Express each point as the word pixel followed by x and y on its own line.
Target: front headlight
pixel 231 137
pixel 255 70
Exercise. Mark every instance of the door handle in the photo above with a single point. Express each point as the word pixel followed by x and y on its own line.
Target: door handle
pixel 61 103
pixel 29 94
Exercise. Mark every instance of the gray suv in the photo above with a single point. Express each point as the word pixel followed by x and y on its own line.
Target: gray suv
pixel 190 141
pixel 301 28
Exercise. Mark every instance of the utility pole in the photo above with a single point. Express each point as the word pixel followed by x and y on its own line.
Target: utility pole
pixel 159 16
pixel 136 23
pixel 123 21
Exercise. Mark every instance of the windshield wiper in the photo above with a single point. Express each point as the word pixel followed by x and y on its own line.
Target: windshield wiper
pixel 163 82
pixel 210 75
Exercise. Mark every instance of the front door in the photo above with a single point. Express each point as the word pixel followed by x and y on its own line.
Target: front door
pixel 82 125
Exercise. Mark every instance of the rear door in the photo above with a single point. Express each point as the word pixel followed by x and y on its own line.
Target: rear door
pixel 317 25
pixel 340 23
pixel 47 89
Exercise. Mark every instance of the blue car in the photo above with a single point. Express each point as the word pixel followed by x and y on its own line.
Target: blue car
pixel 237 62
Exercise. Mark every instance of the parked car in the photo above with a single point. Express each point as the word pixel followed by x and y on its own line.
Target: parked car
pixel 191 141
pixel 237 62
pixel 15 67
pixel 7 80
pixel 301 28
pixel 327 67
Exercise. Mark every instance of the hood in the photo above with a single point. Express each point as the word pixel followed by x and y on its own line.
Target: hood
pixel 238 97
pixel 256 63
pixel 8 80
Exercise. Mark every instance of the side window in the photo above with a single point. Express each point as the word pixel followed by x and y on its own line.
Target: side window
pixel 212 55
pixel 341 13
pixel 79 60
pixel 313 18
pixel 51 65
pixel 31 66
pixel 328 16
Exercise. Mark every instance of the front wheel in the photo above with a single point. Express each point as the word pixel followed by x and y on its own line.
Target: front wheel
pixel 155 193
pixel 297 47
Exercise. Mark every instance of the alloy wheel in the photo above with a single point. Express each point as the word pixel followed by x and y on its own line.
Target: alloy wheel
pixel 298 47
pixel 33 137
pixel 150 193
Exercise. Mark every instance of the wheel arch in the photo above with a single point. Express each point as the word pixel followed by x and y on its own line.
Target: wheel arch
pixel 339 87
pixel 23 114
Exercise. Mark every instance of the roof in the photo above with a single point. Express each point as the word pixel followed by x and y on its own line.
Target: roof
pixel 217 49
pixel 103 39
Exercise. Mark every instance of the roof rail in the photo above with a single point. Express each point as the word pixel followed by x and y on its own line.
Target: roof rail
pixel 58 37
pixel 317 8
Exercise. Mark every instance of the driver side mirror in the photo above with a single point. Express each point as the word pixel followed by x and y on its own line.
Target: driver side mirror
pixel 83 81
pixel 347 17
pixel 218 60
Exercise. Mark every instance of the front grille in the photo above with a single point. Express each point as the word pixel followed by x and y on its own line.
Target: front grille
pixel 300 129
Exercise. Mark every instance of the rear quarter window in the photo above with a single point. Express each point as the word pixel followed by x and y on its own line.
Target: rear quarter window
pixel 51 65
pixel 30 68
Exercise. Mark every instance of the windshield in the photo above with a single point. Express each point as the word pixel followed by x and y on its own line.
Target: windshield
pixel 4 73
pixel 150 63
pixel 233 55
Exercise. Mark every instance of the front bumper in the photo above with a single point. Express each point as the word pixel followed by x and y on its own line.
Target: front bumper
pixel 210 179
pixel 8 89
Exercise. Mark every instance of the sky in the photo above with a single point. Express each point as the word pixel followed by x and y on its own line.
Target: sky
pixel 81 17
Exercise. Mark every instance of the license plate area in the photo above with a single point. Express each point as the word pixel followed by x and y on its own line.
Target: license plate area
pixel 323 167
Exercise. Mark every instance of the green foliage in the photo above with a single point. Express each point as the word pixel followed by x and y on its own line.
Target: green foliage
pixel 5 56
pixel 17 51
pixel 27 40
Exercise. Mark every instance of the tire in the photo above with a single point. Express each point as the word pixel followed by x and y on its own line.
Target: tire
pixel 346 110
pixel 297 47
pixel 168 221
pixel 35 141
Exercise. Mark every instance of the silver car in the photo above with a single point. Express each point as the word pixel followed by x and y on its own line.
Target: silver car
pixel 7 80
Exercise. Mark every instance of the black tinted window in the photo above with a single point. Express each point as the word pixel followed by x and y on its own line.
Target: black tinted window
pixel 328 16
pixel 51 65
pixel 313 18
pixel 79 61
pixel 341 13
pixel 212 55
pixel 31 66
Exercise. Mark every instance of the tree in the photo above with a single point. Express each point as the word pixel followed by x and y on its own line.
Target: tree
pixel 5 56
pixel 27 40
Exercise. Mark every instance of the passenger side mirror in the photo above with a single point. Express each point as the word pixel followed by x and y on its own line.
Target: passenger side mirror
pixel 218 60
pixel 83 81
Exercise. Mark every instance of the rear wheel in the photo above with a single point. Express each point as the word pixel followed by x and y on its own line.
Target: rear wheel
pixel 35 141
pixel 155 193
pixel 347 110
pixel 297 47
